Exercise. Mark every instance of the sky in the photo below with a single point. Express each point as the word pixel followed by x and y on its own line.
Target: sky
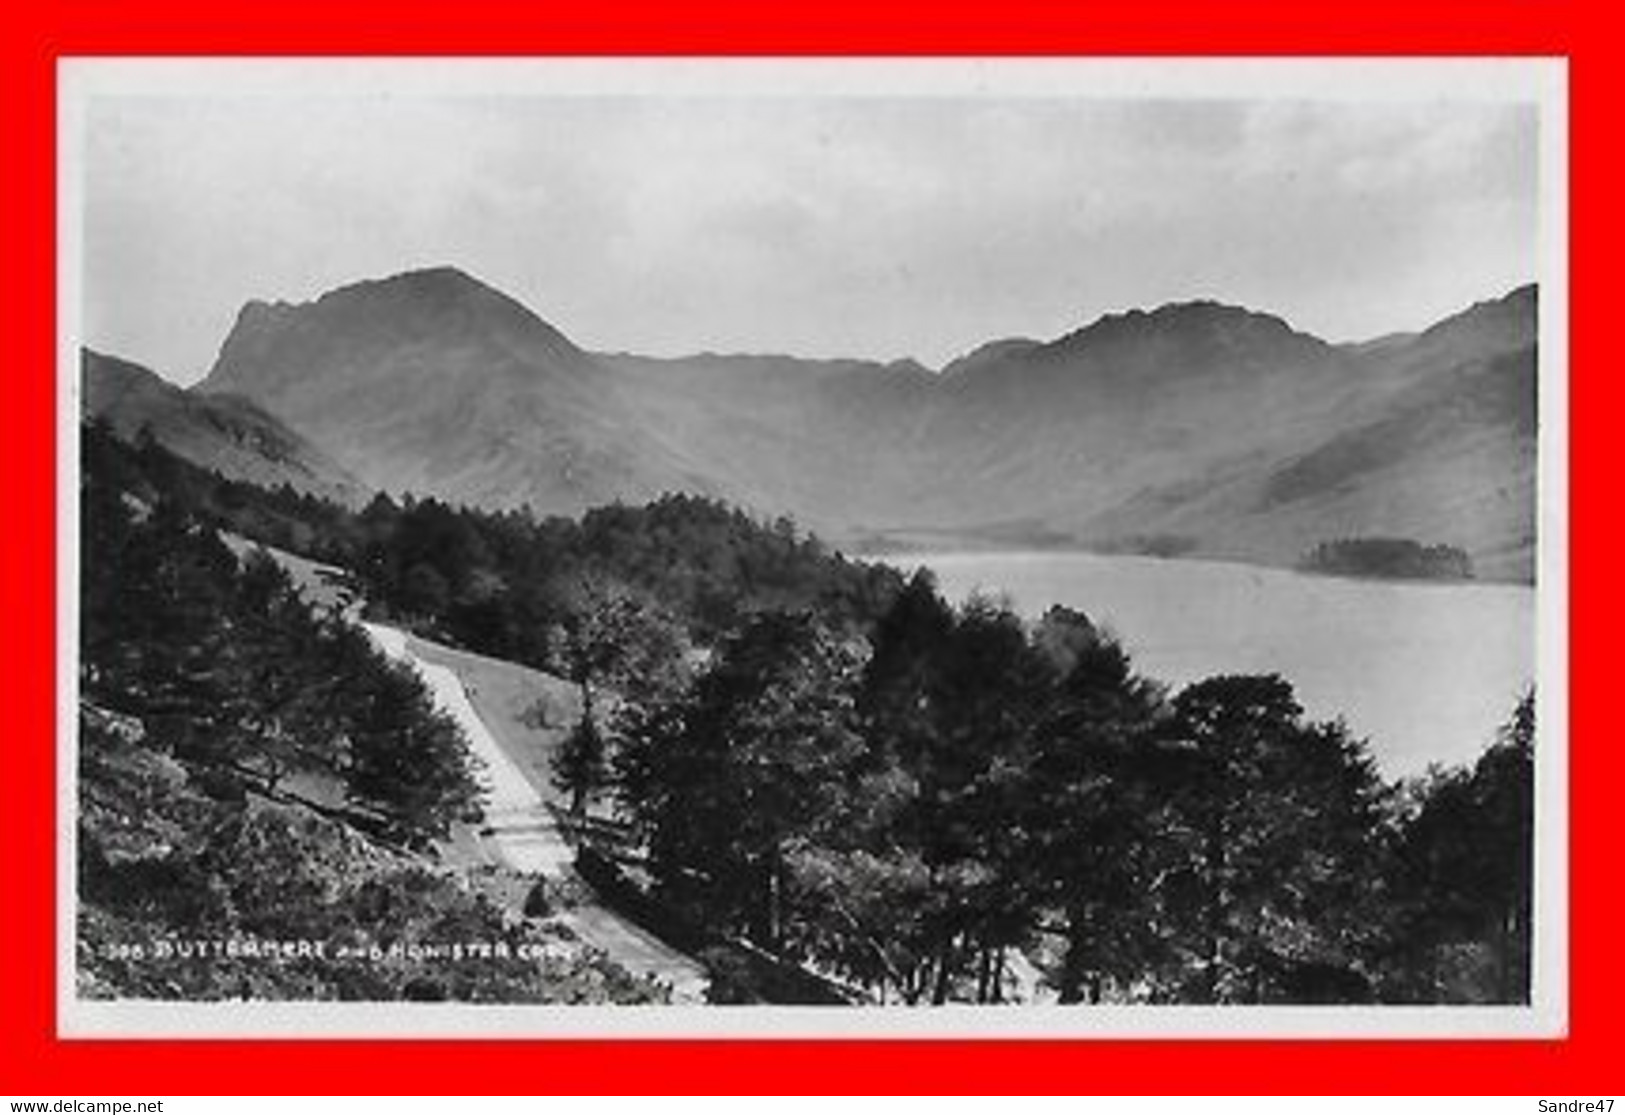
pixel 883 227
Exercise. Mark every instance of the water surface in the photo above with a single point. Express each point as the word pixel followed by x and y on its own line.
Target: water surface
pixel 1425 671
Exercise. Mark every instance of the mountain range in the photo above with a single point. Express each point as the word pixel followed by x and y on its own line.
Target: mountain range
pixel 1195 428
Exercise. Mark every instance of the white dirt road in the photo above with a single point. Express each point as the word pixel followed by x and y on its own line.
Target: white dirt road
pixel 524 832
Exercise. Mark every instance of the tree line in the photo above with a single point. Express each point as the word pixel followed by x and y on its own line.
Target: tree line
pixel 240 677
pixel 508 582
pixel 1398 558
pixel 250 770
pixel 921 810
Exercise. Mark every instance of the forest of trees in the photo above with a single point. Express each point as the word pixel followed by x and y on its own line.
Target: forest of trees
pixel 917 811
pixel 237 674
pixel 829 764
pixel 249 769
pixel 505 582
pixel 1397 558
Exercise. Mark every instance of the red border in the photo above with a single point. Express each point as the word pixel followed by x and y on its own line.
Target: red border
pixel 33 1061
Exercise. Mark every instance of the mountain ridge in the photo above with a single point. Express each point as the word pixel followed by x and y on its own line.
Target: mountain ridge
pixel 223 432
pixel 1176 421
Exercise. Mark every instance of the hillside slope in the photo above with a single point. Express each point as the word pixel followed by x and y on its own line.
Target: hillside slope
pixel 224 433
pixel 1196 427
pixel 432 382
pixel 1439 444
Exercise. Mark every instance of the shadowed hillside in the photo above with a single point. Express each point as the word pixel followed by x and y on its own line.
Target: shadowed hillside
pixel 225 433
pixel 1205 428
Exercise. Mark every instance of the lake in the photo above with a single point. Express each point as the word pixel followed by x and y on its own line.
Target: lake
pixel 1425 671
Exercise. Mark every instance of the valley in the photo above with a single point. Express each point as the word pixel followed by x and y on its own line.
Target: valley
pixel 1196 428
pixel 791 777
pixel 733 763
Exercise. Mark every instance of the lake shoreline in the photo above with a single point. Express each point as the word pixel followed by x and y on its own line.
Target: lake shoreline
pixel 892 555
pixel 1425 669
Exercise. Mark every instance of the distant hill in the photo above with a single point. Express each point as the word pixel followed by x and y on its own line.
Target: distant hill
pixel 1435 441
pixel 432 382
pixel 225 433
pixel 1196 427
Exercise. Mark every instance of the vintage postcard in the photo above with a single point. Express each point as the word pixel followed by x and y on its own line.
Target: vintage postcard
pixel 826 547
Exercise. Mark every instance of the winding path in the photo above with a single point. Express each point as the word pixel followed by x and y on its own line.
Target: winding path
pixel 523 830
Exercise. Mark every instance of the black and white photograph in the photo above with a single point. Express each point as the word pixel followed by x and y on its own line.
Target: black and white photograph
pixel 1008 547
